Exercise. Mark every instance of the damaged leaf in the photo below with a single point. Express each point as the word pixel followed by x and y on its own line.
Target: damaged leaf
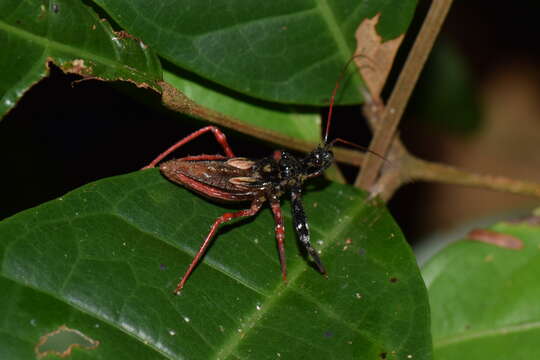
pixel 62 341
pixel 374 57
pixel 69 35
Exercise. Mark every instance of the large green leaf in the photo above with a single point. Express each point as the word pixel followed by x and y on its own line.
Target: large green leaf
pixel 288 51
pixel 70 35
pixel 104 259
pixel 484 298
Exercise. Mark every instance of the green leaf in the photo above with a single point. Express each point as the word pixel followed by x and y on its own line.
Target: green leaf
pixel 70 35
pixel 285 51
pixel 304 125
pixel 104 259
pixel 484 298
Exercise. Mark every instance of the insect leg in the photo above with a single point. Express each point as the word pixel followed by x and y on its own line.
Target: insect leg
pixel 302 228
pixel 255 207
pixel 219 135
pixel 280 234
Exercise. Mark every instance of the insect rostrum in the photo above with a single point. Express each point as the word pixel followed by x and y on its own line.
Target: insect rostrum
pixel 239 179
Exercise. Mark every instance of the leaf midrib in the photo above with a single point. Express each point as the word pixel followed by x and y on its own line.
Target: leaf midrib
pixel 236 338
pixel 328 16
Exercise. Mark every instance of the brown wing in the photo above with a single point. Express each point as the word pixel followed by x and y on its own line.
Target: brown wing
pixel 227 179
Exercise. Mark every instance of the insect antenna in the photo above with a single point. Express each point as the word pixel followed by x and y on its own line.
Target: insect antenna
pixel 333 99
pixel 334 93
pixel 363 148
pixel 331 107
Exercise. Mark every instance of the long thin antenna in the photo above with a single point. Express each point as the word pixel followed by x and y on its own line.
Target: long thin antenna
pixel 334 92
pixel 336 140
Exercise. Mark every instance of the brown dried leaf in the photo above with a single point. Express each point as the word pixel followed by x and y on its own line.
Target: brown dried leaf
pixel 373 57
pixel 496 238
pixel 71 338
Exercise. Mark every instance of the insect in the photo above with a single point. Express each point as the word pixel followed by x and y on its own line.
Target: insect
pixel 239 179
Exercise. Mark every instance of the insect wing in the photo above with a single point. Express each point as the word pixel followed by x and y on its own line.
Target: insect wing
pixel 227 179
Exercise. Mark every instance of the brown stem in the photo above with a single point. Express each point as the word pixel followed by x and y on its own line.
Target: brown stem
pixel 386 129
pixel 175 100
pixel 430 171
pixel 402 167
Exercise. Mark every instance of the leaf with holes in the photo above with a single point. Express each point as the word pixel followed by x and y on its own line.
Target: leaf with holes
pixel 34 33
pixel 103 261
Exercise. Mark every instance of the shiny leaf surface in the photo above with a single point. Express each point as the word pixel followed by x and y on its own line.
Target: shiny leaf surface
pixel 70 35
pixel 103 260
pixel 283 51
pixel 484 298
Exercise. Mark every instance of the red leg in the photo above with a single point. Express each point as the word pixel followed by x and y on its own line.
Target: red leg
pixel 280 235
pixel 255 207
pixel 220 137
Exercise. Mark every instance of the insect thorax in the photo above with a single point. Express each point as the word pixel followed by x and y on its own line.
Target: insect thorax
pixel 317 161
pixel 285 171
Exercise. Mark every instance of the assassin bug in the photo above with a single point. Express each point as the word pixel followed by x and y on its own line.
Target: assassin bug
pixel 239 179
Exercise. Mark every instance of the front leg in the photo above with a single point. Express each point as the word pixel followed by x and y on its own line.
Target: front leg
pixel 302 228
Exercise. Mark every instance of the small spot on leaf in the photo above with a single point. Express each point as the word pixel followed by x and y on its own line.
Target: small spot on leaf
pixel 61 342
pixel 382 355
pixel 496 238
pixel 124 35
pixel 42 11
pixel 76 66
pixel 393 279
